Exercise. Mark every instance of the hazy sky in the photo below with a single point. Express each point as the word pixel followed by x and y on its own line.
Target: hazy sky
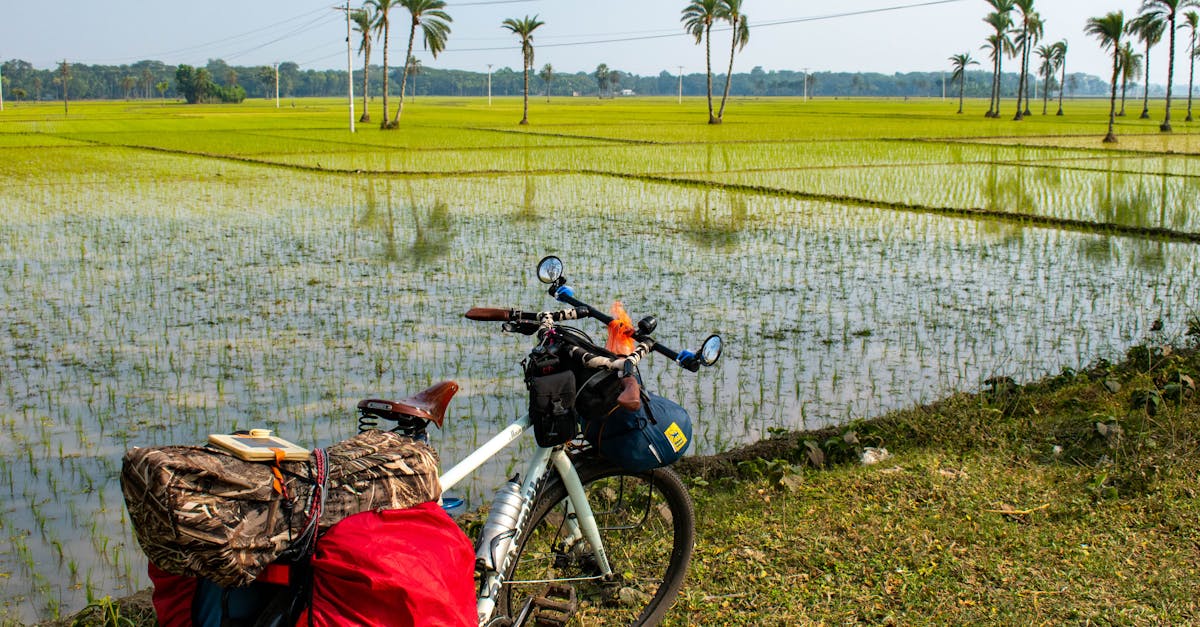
pixel 640 36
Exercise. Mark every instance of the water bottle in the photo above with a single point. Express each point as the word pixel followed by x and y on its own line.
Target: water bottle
pixel 498 531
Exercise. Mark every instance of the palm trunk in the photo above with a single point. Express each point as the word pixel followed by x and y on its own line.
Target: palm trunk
pixel 962 88
pixel 412 34
pixel 1111 137
pixel 991 112
pixel 1146 89
pixel 1028 49
pixel 1021 87
pixel 366 114
pixel 1191 77
pixel 1062 87
pixel 1124 86
pixel 728 75
pixel 708 68
pixel 525 112
pixel 386 29
pixel 999 80
pixel 1046 94
pixel 1166 125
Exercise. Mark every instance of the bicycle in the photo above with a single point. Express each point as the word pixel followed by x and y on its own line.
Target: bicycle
pixel 578 531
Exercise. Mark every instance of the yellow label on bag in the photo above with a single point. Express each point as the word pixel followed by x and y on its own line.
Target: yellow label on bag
pixel 676 437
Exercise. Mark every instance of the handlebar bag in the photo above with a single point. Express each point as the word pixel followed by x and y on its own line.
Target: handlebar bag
pixel 200 511
pixel 656 435
pixel 551 398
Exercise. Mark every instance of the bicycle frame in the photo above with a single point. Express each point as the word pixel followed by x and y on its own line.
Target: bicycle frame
pixel 582 525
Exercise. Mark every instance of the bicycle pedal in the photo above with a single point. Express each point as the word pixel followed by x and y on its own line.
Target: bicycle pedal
pixel 554 607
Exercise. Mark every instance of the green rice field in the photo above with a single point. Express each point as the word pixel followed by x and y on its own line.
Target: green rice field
pixel 170 271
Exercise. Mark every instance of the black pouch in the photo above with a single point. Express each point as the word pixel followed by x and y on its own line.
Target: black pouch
pixel 551 398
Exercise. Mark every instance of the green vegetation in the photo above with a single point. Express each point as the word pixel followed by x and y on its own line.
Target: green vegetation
pixel 169 271
pixel 1067 501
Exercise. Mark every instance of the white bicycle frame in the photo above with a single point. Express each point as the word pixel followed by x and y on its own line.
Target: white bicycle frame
pixel 582 525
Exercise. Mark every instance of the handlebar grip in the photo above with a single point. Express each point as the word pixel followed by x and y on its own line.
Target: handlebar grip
pixel 490 314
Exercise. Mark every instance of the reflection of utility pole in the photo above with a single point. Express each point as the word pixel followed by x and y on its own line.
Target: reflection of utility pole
pixel 805 84
pixel 349 64
pixel 489 84
pixel 277 85
pixel 681 84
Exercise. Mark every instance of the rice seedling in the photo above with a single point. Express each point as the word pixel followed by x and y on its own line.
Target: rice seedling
pixel 165 276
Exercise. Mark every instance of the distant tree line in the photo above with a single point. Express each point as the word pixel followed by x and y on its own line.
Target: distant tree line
pixel 154 79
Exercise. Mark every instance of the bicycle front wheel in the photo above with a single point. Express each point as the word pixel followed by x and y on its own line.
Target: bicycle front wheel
pixel 647 525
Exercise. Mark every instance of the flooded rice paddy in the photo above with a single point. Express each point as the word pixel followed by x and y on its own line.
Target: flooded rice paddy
pixel 150 298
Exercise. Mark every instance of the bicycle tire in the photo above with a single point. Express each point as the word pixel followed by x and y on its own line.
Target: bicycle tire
pixel 647 523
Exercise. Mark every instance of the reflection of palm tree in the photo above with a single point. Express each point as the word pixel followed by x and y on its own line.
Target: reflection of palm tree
pixel 1131 69
pixel 524 28
pixel 1149 30
pixel 363 24
pixel 698 18
pixel 732 13
pixel 435 28
pixel 960 62
pixel 1108 30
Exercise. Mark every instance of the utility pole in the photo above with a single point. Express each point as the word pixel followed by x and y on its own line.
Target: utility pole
pixel 489 84
pixel 805 84
pixel 681 84
pixel 1 91
pixel 349 65
pixel 276 84
pixel 65 73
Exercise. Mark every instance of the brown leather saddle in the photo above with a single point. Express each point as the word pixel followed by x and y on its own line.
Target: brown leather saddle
pixel 428 404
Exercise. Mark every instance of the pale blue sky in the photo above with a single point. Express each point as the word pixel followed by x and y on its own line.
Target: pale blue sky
pixel 578 34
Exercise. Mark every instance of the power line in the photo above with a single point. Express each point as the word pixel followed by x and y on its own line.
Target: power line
pixel 666 34
pixel 215 42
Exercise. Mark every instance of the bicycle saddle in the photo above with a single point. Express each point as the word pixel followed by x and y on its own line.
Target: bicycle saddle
pixel 428 404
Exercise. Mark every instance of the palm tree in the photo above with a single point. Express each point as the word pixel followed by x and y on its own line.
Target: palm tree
pixel 1046 70
pixel 1025 36
pixel 601 79
pixel 738 23
pixel 1108 30
pixel 1060 58
pixel 960 62
pixel 1149 30
pixel 547 76
pixel 524 28
pixel 435 28
pixel 1000 20
pixel 364 23
pixel 381 8
pixel 1192 21
pixel 1166 11
pixel 1131 69
pixel 698 17
pixel 413 67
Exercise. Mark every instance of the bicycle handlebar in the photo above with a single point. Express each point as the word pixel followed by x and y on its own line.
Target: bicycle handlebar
pixel 518 321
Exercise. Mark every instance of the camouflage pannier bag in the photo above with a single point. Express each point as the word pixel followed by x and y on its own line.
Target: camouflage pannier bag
pixel 200 511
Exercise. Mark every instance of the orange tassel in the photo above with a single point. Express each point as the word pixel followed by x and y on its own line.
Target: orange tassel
pixel 620 331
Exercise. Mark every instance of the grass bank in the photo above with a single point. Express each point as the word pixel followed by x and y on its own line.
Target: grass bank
pixel 1070 500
